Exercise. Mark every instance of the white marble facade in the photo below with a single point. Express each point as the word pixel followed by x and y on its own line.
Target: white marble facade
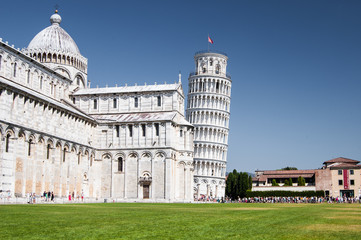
pixel 58 134
pixel 208 109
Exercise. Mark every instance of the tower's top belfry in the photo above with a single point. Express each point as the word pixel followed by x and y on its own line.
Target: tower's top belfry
pixel 211 63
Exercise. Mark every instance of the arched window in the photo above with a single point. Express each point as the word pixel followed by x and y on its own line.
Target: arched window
pixel 91 160
pixel 41 82
pixel 48 147
pixel 120 164
pixel 159 100
pixel 218 68
pixel 95 104
pixel 7 141
pixel 79 157
pixel 114 103
pixel 15 69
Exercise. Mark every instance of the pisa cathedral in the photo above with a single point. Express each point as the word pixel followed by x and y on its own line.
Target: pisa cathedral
pixel 129 143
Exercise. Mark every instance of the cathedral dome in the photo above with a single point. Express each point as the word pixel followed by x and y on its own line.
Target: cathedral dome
pixel 54 38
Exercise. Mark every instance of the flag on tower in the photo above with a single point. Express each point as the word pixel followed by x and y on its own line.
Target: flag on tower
pixel 210 40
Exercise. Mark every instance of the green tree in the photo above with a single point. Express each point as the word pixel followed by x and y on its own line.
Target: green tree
pixel 229 184
pixel 243 184
pixel 290 182
pixel 250 183
pixel 237 184
pixel 274 183
pixel 287 183
pixel 289 168
pixel 301 181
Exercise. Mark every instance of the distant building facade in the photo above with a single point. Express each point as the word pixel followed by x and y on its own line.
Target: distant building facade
pixel 338 177
pixel 58 134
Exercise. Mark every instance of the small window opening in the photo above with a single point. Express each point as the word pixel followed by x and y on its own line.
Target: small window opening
pixel 352 182
pixel 79 157
pixel 159 101
pixel 136 102
pixel 218 69
pixel 117 130
pixel 156 129
pixel 7 143
pixel 64 154
pixel 340 182
pixel 48 151
pixel 351 172
pixel 143 130
pixel 114 103
pixel 95 104
pixel 15 69
pixel 120 164
pixel 29 147
pixel 181 133
pixel 28 78
pixel 130 127
pixel 73 100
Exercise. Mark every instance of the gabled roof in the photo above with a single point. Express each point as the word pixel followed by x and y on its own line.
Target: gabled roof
pixel 341 160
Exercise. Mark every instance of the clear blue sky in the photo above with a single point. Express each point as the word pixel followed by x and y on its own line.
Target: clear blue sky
pixel 295 65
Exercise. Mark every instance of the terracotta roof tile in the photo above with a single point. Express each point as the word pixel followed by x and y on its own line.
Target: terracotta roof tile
pixel 341 160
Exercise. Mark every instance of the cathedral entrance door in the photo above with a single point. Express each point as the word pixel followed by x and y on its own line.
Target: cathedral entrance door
pixel 145 191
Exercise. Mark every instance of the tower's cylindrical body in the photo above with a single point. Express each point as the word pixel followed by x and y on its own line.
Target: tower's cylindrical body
pixel 208 109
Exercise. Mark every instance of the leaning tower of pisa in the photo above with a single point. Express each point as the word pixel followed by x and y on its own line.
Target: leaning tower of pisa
pixel 208 109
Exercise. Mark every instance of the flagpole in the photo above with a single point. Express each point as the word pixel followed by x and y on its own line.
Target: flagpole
pixel 208 42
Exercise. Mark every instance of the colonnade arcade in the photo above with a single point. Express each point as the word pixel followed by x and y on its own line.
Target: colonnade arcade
pixel 209 168
pixel 212 117
pixel 211 134
pixel 210 151
pixel 78 62
pixel 43 163
pixel 209 101
pixel 210 85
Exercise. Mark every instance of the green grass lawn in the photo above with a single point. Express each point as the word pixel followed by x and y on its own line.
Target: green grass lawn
pixel 181 221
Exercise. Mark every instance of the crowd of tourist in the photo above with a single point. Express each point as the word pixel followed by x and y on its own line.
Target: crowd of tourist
pixel 295 200
pixel 344 199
